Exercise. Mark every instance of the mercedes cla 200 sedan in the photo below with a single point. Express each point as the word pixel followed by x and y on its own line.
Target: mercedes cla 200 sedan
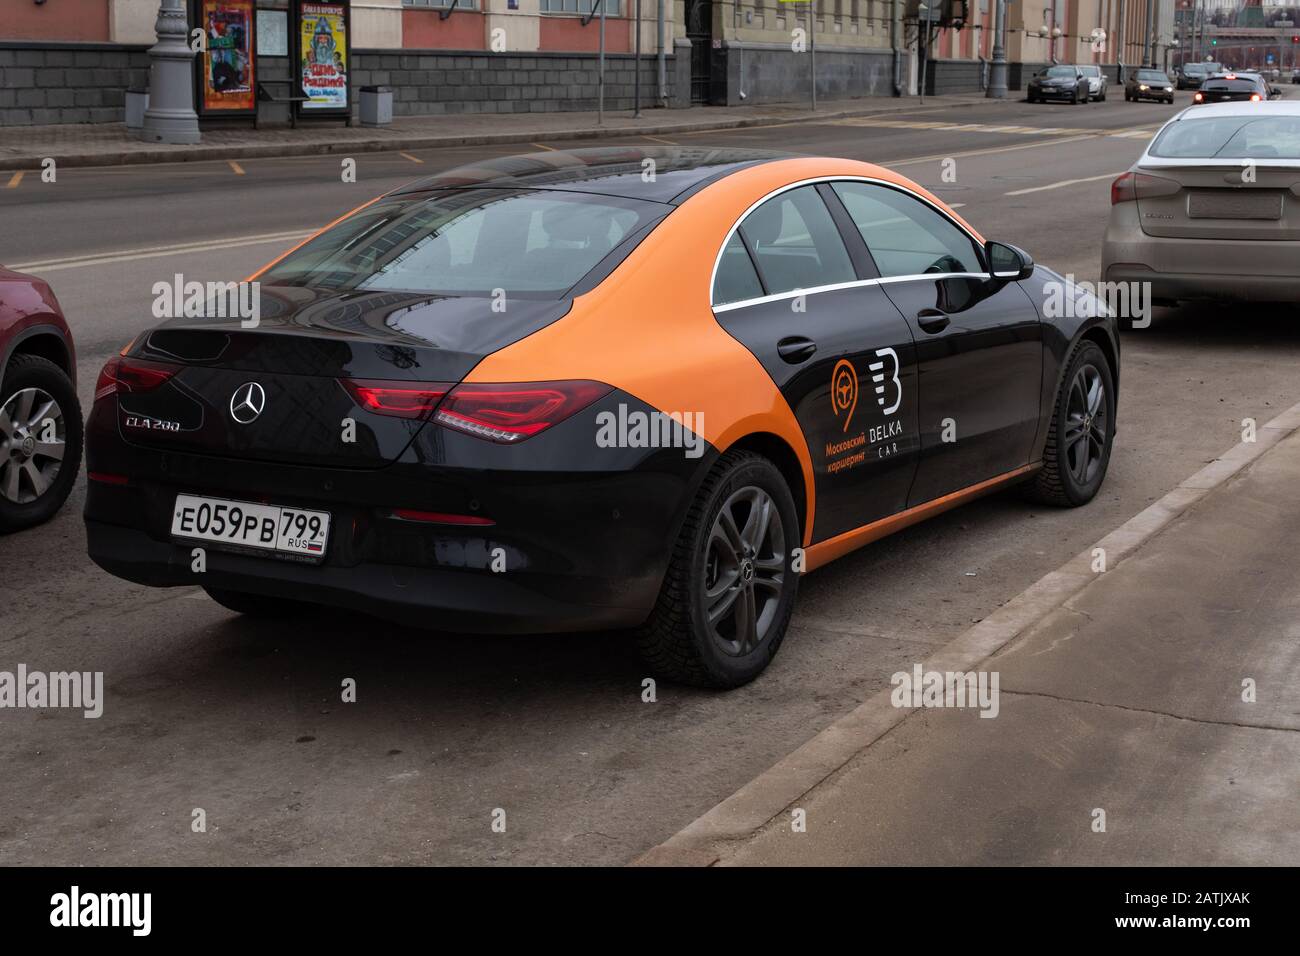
pixel 609 388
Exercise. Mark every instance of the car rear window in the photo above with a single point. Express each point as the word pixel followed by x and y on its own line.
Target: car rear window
pixel 1230 137
pixel 527 243
pixel 1233 86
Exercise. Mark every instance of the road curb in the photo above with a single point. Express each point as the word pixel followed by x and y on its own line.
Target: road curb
pixel 742 815
pixel 398 141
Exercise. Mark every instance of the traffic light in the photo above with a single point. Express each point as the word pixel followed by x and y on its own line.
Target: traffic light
pixel 1214 42
pixel 1295 38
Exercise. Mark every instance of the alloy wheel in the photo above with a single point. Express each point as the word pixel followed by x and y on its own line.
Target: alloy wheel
pixel 33 438
pixel 744 571
pixel 1086 425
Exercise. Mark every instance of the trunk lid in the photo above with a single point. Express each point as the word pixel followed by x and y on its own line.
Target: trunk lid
pixel 1223 201
pixel 305 342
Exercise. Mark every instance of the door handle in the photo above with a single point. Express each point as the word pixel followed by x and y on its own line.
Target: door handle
pixel 932 320
pixel 795 349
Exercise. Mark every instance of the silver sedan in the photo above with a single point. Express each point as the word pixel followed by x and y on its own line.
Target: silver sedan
pixel 1211 210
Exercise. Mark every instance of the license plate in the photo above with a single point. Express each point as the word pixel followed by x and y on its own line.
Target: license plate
pixel 243 524
pixel 1230 204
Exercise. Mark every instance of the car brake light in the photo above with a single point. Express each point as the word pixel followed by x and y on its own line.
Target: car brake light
pixel 1131 186
pixel 121 374
pixel 398 399
pixel 509 413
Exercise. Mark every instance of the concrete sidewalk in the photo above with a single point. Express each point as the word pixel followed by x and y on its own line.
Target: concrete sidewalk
pixel 1126 698
pixel 24 147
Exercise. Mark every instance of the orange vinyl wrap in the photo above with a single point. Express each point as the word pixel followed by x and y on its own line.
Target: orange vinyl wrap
pixel 648 328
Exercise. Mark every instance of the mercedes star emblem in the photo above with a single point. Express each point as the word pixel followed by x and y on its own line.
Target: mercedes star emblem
pixel 247 403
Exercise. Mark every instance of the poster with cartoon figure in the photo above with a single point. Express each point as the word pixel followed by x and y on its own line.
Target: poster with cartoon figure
pixel 226 65
pixel 323 55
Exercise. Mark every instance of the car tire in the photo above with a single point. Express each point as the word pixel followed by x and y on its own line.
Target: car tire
pixel 258 605
pixel 1071 475
pixel 29 383
pixel 719 544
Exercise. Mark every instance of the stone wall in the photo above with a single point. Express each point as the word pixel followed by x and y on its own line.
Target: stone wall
pixel 44 82
pixel 433 82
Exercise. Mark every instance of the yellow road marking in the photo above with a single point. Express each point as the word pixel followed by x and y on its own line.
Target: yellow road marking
pixel 414 159
pixel 16 178
pixel 239 170
pixel 544 146
pixel 658 139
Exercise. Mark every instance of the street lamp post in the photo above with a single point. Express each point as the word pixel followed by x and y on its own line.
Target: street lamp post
pixel 998 70
pixel 170 117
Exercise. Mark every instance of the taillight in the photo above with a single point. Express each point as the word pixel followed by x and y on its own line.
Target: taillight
pixel 1132 186
pixel 440 517
pixel 1254 97
pixel 121 374
pixel 510 413
pixel 1198 97
pixel 398 399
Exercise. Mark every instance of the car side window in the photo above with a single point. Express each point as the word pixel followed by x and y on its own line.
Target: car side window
pixel 736 279
pixel 796 243
pixel 904 235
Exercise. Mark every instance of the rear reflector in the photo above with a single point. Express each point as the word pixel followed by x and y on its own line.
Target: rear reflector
pixel 121 374
pixel 509 413
pixel 438 517
pixel 1131 186
pixel 398 399
pixel 105 478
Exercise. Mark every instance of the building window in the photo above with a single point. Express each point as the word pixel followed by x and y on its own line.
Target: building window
pixel 580 6
pixel 441 4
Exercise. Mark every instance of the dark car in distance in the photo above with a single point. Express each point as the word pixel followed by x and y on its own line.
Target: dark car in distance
pixel 1060 82
pixel 1148 85
pixel 1233 87
pixel 40 418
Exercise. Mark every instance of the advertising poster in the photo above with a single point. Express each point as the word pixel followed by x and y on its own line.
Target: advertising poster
pixel 226 68
pixel 323 55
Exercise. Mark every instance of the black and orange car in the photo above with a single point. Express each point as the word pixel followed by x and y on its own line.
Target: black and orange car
pixel 608 388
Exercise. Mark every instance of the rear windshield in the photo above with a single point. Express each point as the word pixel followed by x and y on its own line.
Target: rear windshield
pixel 531 243
pixel 1230 137
pixel 1232 86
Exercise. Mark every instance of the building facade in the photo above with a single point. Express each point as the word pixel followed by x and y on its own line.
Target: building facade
pixel 71 61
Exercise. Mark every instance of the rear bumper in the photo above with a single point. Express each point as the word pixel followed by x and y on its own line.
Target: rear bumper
pixel 1175 268
pixel 424 597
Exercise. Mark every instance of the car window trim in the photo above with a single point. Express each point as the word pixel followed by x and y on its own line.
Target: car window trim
pixel 855 284
pixel 831 180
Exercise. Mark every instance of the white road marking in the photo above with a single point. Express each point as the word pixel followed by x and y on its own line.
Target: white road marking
pixel 1063 182
pixel 154 252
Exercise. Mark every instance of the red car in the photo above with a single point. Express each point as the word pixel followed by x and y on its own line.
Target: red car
pixel 40 418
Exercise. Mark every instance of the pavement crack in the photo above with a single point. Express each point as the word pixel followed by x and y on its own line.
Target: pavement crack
pixel 1152 713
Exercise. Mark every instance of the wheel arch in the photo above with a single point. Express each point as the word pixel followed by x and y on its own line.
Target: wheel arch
pixel 776 450
pixel 44 341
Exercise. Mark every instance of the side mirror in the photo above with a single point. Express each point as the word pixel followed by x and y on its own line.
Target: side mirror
pixel 1007 261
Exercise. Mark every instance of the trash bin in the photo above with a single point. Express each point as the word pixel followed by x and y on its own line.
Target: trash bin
pixel 376 106
pixel 137 101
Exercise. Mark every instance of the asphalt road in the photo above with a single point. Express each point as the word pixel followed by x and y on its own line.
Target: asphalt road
pixel 244 720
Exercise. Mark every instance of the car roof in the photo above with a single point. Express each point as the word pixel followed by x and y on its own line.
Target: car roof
pixel 607 170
